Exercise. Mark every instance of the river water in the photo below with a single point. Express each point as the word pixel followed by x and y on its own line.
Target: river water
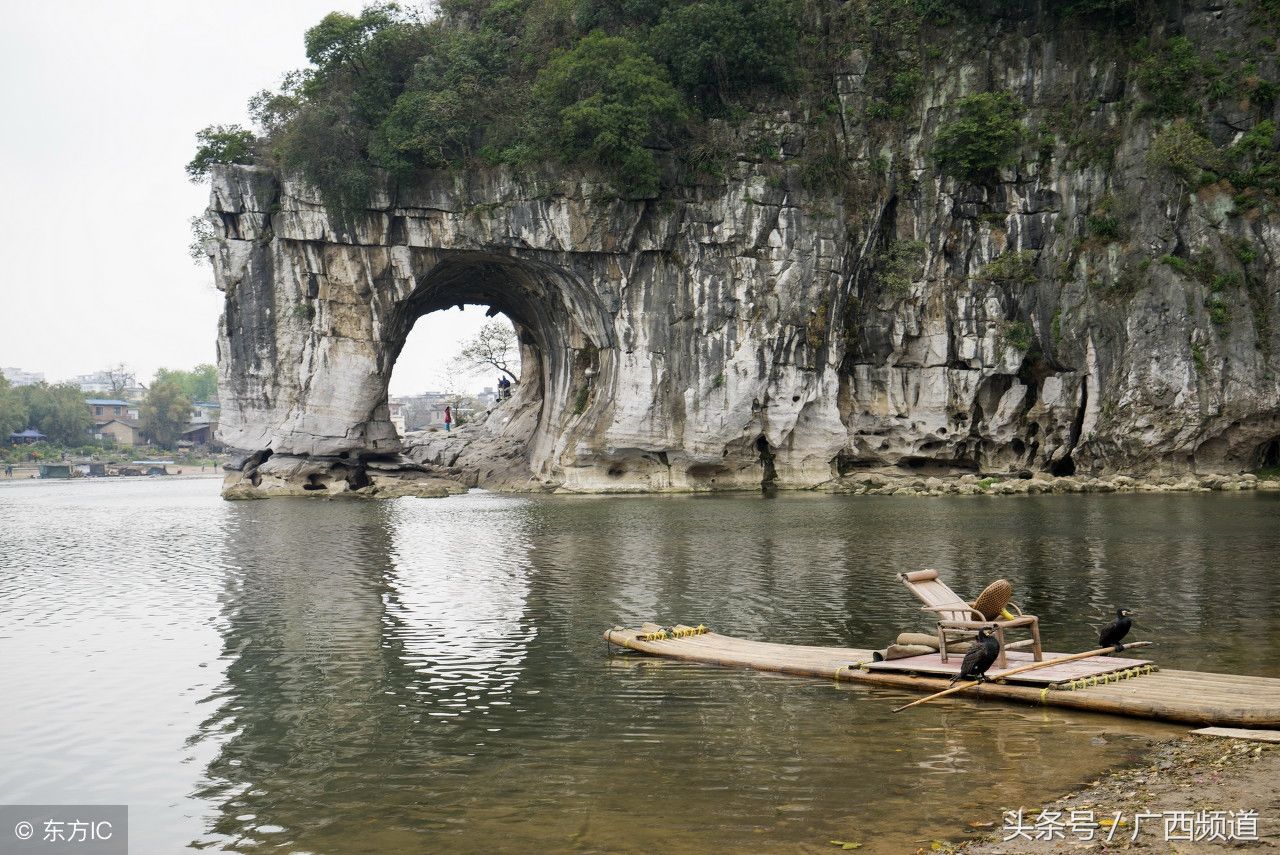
pixel 429 676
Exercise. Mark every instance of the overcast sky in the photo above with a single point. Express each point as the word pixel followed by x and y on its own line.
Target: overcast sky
pixel 101 102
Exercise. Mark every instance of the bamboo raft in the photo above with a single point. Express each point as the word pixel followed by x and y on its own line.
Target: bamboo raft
pixel 1189 697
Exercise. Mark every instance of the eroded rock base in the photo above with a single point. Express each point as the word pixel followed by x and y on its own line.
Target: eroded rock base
pixel 267 476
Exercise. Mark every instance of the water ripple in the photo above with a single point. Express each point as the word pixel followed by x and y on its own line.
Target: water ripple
pixel 409 676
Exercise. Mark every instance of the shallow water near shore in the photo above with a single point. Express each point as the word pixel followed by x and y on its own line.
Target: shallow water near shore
pixel 428 675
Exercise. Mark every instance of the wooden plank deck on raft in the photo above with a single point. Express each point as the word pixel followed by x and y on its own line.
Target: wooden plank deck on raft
pixel 931 663
pixel 1190 697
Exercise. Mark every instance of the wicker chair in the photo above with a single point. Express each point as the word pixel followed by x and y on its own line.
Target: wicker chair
pixel 959 618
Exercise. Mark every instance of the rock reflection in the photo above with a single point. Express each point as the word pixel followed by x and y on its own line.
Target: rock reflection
pixel 353 636
pixel 429 676
pixel 306 669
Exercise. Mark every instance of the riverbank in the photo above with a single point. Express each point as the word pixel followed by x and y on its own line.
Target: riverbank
pixel 1194 774
pixel 877 483
pixel 180 464
pixel 181 473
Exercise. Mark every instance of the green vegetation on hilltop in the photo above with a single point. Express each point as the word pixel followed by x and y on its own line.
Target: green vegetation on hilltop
pixel 600 82
pixel 610 97
pixel 615 84
pixel 220 144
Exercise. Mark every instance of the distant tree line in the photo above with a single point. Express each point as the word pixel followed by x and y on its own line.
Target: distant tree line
pixel 198 384
pixel 58 411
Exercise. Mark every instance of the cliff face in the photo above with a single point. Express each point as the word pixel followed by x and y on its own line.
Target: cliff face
pixel 1085 312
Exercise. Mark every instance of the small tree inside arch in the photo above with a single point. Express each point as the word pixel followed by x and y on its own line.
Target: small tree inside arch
pixel 493 347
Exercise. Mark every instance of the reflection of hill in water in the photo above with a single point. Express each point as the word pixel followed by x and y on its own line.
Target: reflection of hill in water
pixel 429 675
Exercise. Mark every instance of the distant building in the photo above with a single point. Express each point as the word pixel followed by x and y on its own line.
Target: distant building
pixel 26 437
pixel 19 377
pixel 104 410
pixel 205 412
pixel 197 433
pixel 94 384
pixel 124 431
pixel 422 411
pixel 102 383
pixel 396 412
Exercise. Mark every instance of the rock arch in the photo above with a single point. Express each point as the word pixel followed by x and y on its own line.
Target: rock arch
pixel 564 332
pixel 662 346
pixel 676 337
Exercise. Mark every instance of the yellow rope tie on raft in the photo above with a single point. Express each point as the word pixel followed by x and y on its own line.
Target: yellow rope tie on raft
pixel 1102 679
pixel 663 634
pixel 856 666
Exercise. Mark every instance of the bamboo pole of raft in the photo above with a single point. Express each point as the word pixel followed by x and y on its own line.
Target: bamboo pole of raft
pixel 1101 651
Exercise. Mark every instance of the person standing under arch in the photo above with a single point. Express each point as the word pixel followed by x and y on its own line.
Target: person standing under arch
pixel 448 418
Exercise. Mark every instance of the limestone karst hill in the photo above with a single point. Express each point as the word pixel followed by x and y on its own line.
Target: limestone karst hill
pixel 850 284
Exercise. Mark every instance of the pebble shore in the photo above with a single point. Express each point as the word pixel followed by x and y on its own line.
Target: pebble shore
pixel 1189 774
pixel 880 484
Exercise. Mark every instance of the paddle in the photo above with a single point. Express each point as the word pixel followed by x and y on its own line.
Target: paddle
pixel 1101 651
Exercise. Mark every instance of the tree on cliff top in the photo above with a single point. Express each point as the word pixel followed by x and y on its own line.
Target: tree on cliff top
pixel 718 50
pixel 326 124
pixel 584 82
pixel 610 99
pixel 165 412
pixel 220 144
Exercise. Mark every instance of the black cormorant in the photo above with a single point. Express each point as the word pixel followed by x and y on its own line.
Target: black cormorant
pixel 984 652
pixel 1113 632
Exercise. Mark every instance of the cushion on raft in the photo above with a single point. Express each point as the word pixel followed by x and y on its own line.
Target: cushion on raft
pixel 924 639
pixel 902 651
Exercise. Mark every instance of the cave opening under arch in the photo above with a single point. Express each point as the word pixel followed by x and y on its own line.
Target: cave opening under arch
pixel 564 344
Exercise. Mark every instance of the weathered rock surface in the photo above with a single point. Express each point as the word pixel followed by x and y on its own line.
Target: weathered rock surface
pixel 284 475
pixel 741 330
